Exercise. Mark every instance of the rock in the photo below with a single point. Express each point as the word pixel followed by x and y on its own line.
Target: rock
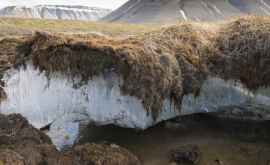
pixel 189 154
pixel 104 154
pixel 219 162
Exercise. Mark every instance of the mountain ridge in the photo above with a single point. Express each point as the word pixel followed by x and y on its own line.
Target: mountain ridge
pixel 62 12
pixel 170 11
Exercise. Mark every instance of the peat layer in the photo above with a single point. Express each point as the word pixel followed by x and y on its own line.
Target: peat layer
pixel 163 64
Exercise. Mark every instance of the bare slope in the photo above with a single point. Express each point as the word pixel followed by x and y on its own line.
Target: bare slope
pixel 164 11
pixel 55 12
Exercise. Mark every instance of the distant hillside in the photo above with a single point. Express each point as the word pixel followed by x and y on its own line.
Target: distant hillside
pixel 164 11
pixel 55 12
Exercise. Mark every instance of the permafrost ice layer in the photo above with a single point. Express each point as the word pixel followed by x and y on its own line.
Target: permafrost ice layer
pixel 44 101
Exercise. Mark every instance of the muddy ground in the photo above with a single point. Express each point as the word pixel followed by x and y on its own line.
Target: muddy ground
pixel 201 139
pixel 220 141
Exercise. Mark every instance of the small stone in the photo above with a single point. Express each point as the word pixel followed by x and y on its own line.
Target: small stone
pixel 189 154
pixel 114 146
pixel 219 162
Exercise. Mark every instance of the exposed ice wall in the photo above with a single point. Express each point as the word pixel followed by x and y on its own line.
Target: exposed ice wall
pixel 215 93
pixel 100 101
pixel 56 101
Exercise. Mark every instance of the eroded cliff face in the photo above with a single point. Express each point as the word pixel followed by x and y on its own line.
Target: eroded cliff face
pixel 56 12
pixel 134 82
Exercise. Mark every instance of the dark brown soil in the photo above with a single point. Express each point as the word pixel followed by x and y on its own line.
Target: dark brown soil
pixel 22 144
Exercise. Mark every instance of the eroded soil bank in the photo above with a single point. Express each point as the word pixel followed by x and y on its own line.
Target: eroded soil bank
pixel 201 139
pixel 168 64
pixel 22 144
pixel 158 69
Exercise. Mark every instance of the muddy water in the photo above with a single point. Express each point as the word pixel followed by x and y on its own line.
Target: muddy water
pixel 221 141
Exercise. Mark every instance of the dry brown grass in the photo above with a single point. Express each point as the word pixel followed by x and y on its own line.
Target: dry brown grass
pixel 157 75
pixel 20 26
pixel 100 154
pixel 162 64
pixel 243 51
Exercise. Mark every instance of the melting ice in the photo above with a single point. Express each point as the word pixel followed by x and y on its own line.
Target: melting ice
pixel 55 101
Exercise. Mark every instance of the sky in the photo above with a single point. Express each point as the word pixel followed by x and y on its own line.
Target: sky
pixel 110 4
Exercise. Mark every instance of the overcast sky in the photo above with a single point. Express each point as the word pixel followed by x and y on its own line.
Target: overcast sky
pixel 112 4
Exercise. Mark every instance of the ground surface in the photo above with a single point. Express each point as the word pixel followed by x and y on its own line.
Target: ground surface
pixel 16 27
pixel 221 142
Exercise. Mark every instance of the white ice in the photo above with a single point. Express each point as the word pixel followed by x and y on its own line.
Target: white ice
pixel 43 101
pixel 56 101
